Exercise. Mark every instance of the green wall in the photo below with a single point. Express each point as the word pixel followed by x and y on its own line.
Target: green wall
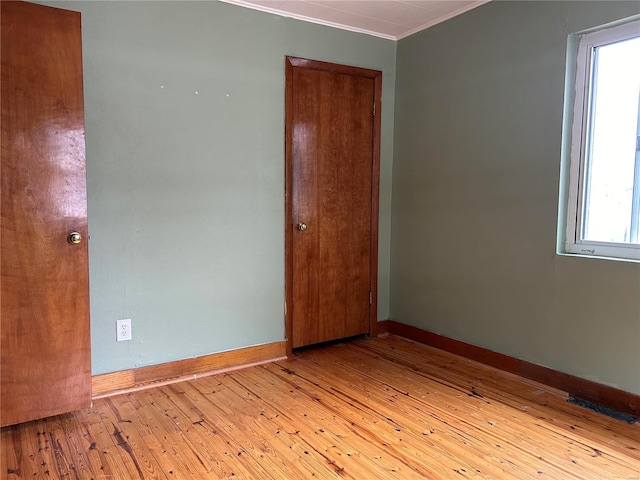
pixel 478 124
pixel 186 191
pixel 186 196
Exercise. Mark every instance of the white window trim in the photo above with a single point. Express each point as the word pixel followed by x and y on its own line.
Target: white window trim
pixel 579 130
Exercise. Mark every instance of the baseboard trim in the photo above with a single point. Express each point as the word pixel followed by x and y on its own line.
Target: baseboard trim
pixel 383 327
pixel 124 381
pixel 595 392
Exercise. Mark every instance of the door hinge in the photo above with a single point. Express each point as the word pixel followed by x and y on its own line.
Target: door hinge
pixel 370 298
pixel 374 109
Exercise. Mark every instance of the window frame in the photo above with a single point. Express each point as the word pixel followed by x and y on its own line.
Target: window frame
pixel 581 83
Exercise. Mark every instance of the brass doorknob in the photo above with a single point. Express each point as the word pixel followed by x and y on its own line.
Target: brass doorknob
pixel 302 227
pixel 74 237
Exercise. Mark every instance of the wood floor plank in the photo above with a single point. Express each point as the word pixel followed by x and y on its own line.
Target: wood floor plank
pixel 70 462
pixel 351 416
pixel 275 434
pixel 18 459
pixel 556 412
pixel 316 436
pixel 384 408
pixel 81 426
pixel 131 439
pixel 173 450
pixel 474 416
pixel 506 388
pixel 261 465
pixel 36 441
pixel 103 429
pixel 159 447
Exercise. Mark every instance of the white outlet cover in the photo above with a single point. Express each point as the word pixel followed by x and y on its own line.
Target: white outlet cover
pixel 123 329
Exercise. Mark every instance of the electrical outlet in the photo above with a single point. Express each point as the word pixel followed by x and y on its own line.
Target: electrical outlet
pixel 123 329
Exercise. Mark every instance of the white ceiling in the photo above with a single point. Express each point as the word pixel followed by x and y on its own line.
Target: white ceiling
pixel 392 19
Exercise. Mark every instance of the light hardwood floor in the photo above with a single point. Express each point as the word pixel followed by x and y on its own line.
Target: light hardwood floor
pixel 383 408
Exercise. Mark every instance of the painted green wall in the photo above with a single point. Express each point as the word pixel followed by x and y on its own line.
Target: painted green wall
pixel 186 190
pixel 478 123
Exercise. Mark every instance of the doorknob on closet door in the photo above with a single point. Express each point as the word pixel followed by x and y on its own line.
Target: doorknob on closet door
pixel 302 227
pixel 74 237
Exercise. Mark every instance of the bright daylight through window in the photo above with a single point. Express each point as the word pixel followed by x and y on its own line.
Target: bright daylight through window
pixel 603 207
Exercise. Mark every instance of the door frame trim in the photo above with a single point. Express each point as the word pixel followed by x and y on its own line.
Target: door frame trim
pixel 376 76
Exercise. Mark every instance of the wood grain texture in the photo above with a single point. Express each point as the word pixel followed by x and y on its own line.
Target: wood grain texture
pixel 384 408
pixel 112 382
pixel 45 359
pixel 375 202
pixel 332 165
pixel 288 205
pixel 595 392
pixel 117 382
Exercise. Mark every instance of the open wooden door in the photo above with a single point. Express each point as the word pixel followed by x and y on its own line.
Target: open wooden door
pixel 45 345
pixel 332 200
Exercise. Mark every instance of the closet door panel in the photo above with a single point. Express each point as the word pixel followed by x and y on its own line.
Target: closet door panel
pixel 45 350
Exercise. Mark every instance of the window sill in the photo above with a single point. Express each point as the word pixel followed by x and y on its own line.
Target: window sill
pixel 598 257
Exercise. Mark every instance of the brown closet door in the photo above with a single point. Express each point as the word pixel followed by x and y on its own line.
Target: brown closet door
pixel 332 146
pixel 45 351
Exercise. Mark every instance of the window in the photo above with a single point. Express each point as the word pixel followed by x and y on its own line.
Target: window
pixel 603 203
